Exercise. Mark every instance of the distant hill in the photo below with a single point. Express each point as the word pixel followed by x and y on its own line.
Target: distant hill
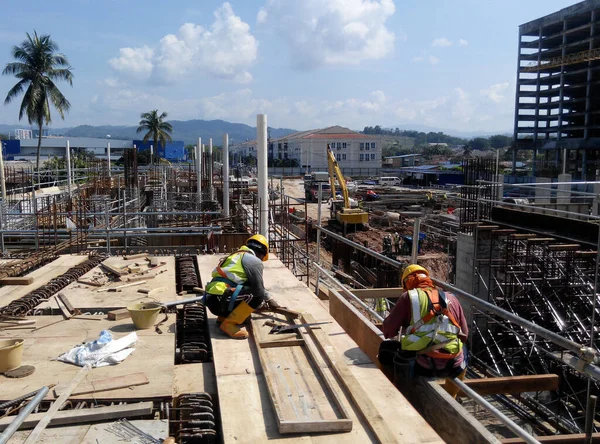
pixel 186 130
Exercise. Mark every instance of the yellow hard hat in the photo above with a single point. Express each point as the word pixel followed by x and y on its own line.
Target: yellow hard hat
pixel 413 268
pixel 262 241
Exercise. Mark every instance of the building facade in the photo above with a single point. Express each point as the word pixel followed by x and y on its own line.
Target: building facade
pixel 355 152
pixel 557 106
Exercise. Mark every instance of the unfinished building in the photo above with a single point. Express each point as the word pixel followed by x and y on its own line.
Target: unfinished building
pixel 556 110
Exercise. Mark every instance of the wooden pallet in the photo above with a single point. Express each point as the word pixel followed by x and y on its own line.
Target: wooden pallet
pixel 302 395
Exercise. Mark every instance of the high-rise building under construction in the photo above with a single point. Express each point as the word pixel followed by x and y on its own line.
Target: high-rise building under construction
pixel 557 111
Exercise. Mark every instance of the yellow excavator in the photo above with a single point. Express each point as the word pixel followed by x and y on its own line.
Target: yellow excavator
pixel 341 210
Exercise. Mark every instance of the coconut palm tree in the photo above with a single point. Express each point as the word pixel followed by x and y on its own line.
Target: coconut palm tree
pixel 158 129
pixel 38 66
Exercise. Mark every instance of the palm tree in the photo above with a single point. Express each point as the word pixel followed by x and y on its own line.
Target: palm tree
pixel 158 129
pixel 38 65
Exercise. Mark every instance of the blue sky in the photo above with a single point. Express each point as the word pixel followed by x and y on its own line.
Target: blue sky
pixel 306 63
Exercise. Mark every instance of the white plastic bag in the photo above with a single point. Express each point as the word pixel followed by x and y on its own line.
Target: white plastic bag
pixel 103 351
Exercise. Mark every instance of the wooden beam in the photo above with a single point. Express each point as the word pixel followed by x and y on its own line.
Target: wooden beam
pixel 345 377
pixel 510 384
pixel 557 439
pixel 102 385
pixel 16 281
pixel 85 416
pixel 448 418
pixel 358 327
pixel 116 315
pixel 55 407
pixel 389 293
pixel 281 343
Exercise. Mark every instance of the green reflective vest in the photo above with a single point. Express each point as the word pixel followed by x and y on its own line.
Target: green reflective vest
pixel 229 273
pixel 428 330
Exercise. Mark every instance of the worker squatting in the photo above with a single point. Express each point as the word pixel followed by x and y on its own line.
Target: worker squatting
pixel 426 328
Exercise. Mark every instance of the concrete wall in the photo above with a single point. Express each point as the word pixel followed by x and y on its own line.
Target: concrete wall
pixel 465 278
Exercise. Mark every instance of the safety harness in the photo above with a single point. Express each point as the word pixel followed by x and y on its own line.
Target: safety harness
pixel 230 279
pixel 445 324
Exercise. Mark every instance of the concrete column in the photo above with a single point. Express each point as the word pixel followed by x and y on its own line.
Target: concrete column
pixel 263 200
pixel 542 196
pixel 108 157
pixel 563 195
pixel 225 175
pixel 500 187
pixel 68 164
pixel 198 154
pixel 211 192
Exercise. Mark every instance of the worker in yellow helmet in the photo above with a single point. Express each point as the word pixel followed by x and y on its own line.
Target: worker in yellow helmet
pixel 237 287
pixel 433 325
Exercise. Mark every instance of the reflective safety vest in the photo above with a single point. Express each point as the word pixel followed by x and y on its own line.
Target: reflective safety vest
pixel 229 274
pixel 433 330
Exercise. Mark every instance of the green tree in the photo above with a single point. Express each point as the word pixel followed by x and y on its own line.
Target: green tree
pixel 189 149
pixel 38 65
pixel 467 150
pixel 479 144
pixel 500 141
pixel 157 129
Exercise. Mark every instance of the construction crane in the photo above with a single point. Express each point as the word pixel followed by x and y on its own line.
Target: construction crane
pixel 571 59
pixel 341 210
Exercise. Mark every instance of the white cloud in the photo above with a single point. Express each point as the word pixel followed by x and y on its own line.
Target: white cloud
pixel 495 92
pixel 463 42
pixel 226 50
pixel 331 32
pixel 441 42
pixel 433 60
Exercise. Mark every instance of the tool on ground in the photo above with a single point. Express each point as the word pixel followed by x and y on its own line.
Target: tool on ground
pixel 280 328
pixel 133 284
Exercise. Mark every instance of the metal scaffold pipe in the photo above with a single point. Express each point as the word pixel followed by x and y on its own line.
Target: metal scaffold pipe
pixel 2 178
pixel 209 168
pixel 263 200
pixel 68 161
pixel 494 411
pixel 22 416
pixel 198 154
pixel 225 175
pixel 584 358
pixel 108 158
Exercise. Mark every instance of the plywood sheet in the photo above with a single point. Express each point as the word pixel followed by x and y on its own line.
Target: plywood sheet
pixel 153 356
pixel 41 276
pixel 194 378
pixel 87 297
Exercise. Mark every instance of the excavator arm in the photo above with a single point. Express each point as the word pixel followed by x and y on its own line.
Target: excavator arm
pixel 335 171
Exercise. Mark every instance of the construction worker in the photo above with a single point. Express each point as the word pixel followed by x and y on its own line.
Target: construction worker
pixel 397 242
pixel 237 287
pixel 433 324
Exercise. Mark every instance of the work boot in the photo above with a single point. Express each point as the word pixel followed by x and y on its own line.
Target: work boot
pixel 229 326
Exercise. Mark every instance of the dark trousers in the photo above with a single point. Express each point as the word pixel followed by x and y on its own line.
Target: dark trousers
pixel 219 305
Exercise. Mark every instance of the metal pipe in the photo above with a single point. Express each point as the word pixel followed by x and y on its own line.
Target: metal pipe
pixel 23 414
pixel 415 240
pixel 108 158
pixel 494 411
pixel 590 412
pixel 199 170
pixel 2 178
pixel 319 201
pixel 210 163
pixel 68 161
pixel 350 294
pixel 225 175
pixel 587 355
pixel 263 199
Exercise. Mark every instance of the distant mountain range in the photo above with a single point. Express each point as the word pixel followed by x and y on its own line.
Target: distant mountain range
pixel 188 131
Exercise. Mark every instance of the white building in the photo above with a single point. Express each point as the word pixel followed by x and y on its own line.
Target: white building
pixel 355 152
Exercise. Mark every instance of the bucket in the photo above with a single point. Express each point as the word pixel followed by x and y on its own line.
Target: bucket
pixel 402 369
pixel 11 352
pixel 144 314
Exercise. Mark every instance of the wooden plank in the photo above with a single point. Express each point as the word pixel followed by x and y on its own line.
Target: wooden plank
pixel 359 396
pixel 135 256
pixel 16 281
pixel 83 416
pixel 119 314
pixel 510 384
pixel 281 343
pixel 368 293
pixel 90 282
pixel 56 406
pixel 114 270
pixel 358 327
pixel 450 419
pixel 102 385
pixel 576 438
pixel 301 394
